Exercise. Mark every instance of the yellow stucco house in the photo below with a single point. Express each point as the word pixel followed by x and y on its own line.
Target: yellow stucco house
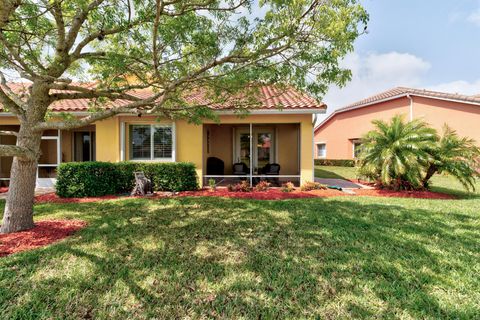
pixel 279 131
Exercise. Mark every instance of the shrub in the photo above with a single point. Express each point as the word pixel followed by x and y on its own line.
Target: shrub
pixel 262 186
pixel 310 185
pixel 287 187
pixel 93 179
pixel 405 155
pixel 212 184
pixel 335 162
pixel 243 186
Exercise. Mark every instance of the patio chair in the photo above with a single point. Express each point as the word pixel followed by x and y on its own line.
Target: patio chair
pixel 215 166
pixel 143 185
pixel 271 169
pixel 240 169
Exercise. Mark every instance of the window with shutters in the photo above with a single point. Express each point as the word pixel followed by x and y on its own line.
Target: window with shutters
pixel 151 142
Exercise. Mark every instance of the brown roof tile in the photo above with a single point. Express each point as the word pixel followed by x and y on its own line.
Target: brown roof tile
pixel 269 97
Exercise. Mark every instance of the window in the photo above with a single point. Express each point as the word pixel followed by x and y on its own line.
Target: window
pixel 357 148
pixel 151 142
pixel 321 150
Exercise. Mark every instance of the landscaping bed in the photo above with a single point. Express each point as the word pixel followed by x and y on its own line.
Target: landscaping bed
pixel 44 233
pixel 271 194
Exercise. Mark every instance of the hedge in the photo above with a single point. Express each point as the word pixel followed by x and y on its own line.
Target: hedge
pixel 335 162
pixel 93 179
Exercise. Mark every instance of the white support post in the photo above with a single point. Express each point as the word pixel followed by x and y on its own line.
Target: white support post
pixel 251 155
pixel 122 141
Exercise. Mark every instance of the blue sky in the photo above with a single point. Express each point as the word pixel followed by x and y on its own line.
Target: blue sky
pixel 417 43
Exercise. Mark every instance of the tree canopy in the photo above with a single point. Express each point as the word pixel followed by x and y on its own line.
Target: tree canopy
pixel 172 47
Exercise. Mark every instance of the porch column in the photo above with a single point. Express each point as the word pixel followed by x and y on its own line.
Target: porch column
pixel 251 154
pixel 306 150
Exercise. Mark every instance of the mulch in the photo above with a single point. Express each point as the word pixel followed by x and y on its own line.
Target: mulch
pixel 272 194
pixel 44 233
pixel 3 189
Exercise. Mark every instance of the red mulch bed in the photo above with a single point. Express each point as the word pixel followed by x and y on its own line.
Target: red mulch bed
pixel 3 189
pixel 272 194
pixel 44 233
pixel 53 198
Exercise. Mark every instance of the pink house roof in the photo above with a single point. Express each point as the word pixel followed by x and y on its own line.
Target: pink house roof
pixel 400 92
pixel 269 97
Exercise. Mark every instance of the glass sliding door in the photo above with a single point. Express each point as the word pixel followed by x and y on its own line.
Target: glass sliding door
pixel 84 146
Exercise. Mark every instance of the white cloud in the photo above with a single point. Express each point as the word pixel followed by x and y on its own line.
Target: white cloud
pixel 459 86
pixel 376 72
pixel 474 17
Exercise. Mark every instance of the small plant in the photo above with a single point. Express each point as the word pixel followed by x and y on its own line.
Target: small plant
pixel 287 187
pixel 310 185
pixel 262 186
pixel 243 186
pixel 212 184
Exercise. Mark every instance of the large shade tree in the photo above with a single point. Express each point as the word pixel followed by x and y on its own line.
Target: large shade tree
pixel 170 46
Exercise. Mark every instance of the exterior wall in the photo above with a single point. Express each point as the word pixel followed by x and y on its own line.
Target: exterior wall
pixel 464 118
pixel 189 144
pixel 287 148
pixel 342 129
pixel 108 140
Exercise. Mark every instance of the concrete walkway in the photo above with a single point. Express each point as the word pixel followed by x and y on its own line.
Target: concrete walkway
pixel 38 192
pixel 344 184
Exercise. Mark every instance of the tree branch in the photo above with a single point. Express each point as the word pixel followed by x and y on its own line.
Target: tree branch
pixel 16 151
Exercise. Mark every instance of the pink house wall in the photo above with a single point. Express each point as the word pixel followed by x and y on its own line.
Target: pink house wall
pixel 464 118
pixel 343 128
pixel 340 131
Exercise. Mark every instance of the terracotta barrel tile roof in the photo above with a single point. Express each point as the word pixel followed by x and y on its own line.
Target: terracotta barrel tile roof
pixel 269 97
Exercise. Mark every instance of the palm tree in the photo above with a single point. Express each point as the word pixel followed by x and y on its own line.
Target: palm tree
pixel 396 153
pixel 457 156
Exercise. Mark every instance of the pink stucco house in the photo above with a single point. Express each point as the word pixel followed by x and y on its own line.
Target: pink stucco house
pixel 339 134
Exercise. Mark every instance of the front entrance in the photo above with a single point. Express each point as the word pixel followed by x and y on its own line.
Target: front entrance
pixel 263 147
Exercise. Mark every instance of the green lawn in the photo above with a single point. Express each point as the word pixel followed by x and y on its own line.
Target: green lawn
pixel 221 258
pixel 440 183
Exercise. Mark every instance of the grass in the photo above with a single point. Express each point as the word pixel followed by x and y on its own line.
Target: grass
pixel 439 183
pixel 223 258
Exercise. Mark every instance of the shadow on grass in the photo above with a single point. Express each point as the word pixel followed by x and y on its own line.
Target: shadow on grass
pixel 328 174
pixel 208 257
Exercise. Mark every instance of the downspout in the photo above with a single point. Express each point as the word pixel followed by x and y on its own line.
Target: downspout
pixel 411 106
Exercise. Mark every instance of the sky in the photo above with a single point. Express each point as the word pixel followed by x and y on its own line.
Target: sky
pixel 428 44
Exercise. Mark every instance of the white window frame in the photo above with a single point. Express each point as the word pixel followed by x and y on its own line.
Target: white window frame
pixel 152 125
pixel 354 142
pixel 316 150
pixel 59 155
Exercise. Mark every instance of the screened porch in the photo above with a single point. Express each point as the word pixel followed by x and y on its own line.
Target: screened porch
pixel 251 152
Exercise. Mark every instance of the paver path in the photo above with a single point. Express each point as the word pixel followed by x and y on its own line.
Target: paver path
pixel 339 183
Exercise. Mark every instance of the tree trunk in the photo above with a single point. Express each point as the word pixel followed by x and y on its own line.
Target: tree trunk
pixel 18 214
pixel 432 169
